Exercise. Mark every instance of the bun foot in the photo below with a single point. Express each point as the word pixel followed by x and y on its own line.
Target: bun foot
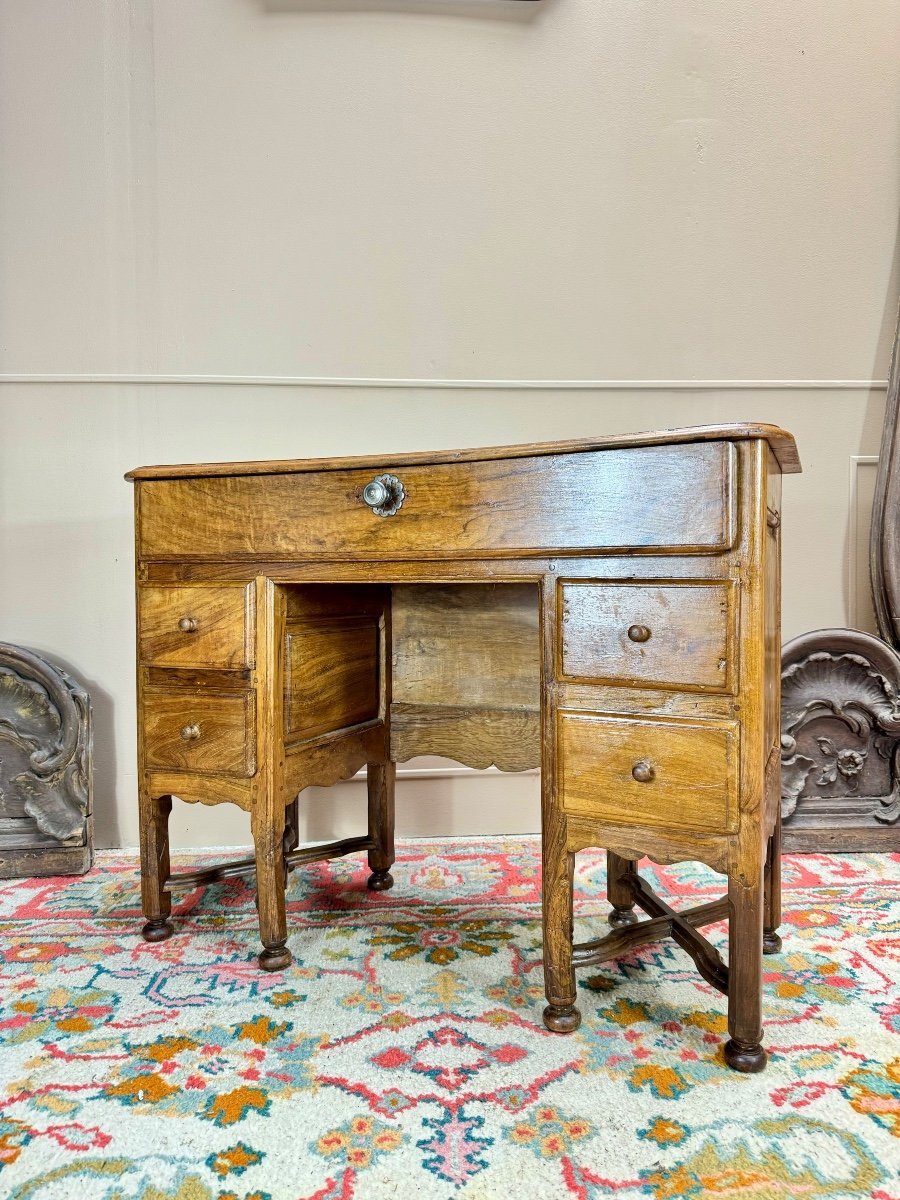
pixel 771 942
pixel 380 881
pixel 158 930
pixel 275 958
pixel 620 917
pixel 747 1059
pixel 562 1018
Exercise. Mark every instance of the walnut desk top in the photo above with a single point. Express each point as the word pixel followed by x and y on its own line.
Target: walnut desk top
pixel 607 609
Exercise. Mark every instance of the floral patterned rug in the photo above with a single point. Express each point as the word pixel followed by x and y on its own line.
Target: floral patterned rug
pixel 403 1055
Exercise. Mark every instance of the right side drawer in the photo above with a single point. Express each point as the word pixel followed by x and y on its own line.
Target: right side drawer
pixel 666 773
pixel 662 634
pixel 196 625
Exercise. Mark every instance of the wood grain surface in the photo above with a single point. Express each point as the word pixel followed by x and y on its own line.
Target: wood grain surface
pixel 225 740
pixel 508 739
pixel 659 498
pixel 692 765
pixel 331 677
pixel 473 645
pixel 782 443
pixel 221 619
pixel 670 634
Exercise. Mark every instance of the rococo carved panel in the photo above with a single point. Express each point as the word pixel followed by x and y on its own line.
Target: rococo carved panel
pixel 45 768
pixel 840 738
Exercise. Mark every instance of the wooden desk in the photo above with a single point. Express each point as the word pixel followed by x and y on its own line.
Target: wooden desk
pixel 608 610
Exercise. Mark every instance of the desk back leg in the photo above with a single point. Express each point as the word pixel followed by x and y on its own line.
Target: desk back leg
pixel 619 893
pixel 381 778
pixel 292 825
pixel 772 917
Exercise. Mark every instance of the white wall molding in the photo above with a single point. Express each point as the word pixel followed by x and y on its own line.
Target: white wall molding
pixel 860 605
pixel 554 385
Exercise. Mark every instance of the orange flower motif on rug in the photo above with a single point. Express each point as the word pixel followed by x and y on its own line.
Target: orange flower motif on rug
pixel 359 1142
pixel 441 939
pixel 548 1134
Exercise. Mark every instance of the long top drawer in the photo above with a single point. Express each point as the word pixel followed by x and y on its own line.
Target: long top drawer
pixel 654 498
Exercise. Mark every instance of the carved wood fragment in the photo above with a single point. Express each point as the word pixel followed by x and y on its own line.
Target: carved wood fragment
pixel 45 768
pixel 840 739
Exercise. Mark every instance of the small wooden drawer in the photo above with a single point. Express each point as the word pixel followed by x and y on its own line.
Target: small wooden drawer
pixel 663 635
pixel 212 733
pixel 671 774
pixel 661 499
pixel 196 626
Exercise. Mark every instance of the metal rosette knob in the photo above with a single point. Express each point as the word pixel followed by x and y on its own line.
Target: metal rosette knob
pixel 384 495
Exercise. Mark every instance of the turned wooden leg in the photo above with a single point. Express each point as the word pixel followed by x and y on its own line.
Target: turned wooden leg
pixel 268 839
pixel 560 1015
pixel 772 915
pixel 619 893
pixel 156 901
pixel 381 778
pixel 744 1051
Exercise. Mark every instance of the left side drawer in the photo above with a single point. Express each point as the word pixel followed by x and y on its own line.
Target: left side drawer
pixel 196 625
pixel 206 732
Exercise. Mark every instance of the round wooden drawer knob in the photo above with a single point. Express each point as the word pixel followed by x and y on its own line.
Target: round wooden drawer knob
pixel 188 624
pixel 643 772
pixel 190 733
pixel 639 633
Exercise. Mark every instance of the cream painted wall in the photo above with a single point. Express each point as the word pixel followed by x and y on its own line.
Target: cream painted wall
pixel 412 224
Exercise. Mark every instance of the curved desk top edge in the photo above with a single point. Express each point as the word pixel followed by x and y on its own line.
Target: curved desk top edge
pixel 782 443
